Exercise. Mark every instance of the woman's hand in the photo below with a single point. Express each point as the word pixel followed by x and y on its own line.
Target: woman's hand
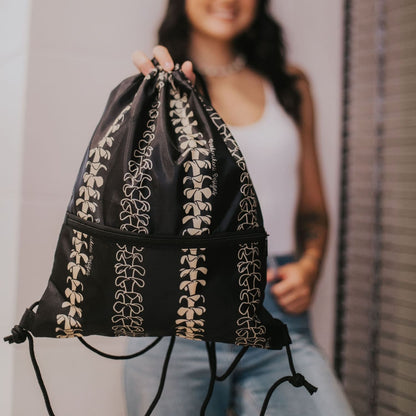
pixel 145 65
pixel 294 292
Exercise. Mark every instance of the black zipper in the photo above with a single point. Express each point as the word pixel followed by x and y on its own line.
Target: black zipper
pixel 105 231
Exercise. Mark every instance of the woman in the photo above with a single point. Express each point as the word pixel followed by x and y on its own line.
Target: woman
pixel 239 50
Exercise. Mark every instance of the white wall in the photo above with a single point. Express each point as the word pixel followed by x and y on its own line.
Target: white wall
pixel 14 28
pixel 78 52
pixel 314 32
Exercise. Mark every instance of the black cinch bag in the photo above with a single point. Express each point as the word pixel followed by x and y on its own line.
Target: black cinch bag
pixel 163 234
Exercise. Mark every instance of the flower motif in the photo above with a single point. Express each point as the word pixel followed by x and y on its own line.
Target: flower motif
pixel 75 268
pixel 92 181
pixel 197 181
pixel 95 167
pixel 68 321
pixel 75 283
pixel 78 256
pixel 78 243
pixel 197 220
pixel 197 207
pixel 135 256
pixel 191 323
pixel 190 312
pixel 73 309
pixel 197 194
pixel 128 303
pixel 192 256
pixel 196 165
pixel 130 270
pixel 191 286
pixel 192 272
pixel 86 205
pixel 73 296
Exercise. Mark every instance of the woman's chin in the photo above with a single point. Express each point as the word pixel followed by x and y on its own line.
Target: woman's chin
pixel 221 31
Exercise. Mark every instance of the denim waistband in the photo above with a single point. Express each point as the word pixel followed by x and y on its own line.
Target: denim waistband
pixel 280 259
pixel 295 322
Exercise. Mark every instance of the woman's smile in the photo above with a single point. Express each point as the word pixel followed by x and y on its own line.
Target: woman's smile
pixel 222 20
pixel 228 14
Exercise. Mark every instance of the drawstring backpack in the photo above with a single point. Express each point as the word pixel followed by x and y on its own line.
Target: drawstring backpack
pixel 163 235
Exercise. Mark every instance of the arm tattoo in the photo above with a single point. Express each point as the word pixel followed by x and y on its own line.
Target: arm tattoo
pixel 311 232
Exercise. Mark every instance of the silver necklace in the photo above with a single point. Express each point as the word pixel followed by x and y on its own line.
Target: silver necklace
pixel 238 63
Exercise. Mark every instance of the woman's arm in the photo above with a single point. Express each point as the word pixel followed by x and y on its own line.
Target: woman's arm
pixel 294 291
pixel 312 221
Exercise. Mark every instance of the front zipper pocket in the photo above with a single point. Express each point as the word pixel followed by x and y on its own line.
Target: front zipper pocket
pixel 104 231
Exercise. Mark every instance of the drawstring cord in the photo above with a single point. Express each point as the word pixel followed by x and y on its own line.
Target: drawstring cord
pixel 213 370
pixel 162 377
pixel 20 334
pixel 120 357
pixel 233 364
pixel 296 379
pixel 212 358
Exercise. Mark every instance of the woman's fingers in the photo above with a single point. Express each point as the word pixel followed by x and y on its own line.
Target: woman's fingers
pixel 142 62
pixel 188 70
pixel 162 55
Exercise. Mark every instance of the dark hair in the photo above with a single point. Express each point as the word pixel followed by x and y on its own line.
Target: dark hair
pixel 263 45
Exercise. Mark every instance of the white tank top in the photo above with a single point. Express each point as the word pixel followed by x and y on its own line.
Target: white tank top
pixel 271 148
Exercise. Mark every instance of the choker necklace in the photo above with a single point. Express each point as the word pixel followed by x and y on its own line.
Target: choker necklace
pixel 236 65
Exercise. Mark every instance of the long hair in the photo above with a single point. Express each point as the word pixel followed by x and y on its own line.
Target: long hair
pixel 263 45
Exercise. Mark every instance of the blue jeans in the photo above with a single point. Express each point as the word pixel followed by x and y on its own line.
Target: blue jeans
pixel 245 389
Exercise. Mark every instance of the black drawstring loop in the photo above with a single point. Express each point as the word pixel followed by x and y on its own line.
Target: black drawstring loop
pixel 233 364
pixel 119 357
pixel 213 369
pixel 296 380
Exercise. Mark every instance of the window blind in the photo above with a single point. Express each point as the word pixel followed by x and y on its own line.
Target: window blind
pixel 375 345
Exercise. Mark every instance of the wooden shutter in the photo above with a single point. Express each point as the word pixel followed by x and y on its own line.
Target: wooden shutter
pixel 375 346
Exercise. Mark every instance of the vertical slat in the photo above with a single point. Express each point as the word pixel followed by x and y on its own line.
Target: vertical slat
pixel 339 321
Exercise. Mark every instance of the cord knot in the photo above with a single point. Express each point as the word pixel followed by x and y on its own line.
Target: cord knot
pixel 19 335
pixel 297 380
